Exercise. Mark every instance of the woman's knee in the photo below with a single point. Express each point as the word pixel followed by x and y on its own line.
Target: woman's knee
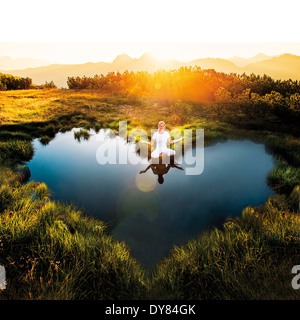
pixel 171 152
pixel 154 154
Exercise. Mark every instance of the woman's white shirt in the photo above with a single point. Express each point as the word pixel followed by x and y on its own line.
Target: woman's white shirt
pixel 161 140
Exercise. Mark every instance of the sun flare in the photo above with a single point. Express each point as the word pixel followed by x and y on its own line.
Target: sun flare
pixel 162 55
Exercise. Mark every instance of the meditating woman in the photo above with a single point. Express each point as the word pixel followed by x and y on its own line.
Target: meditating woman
pixel 161 137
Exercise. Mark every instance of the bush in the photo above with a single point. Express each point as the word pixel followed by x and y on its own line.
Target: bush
pixel 9 82
pixel 48 85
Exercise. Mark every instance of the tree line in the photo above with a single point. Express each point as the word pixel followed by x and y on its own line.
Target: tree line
pixel 10 82
pixel 194 84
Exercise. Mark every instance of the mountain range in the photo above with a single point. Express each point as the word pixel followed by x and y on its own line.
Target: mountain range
pixel 8 63
pixel 285 66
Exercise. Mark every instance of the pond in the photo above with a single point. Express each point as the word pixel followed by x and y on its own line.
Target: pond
pixel 152 217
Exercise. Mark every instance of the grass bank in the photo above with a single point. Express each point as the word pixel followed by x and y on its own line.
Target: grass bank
pixel 251 258
pixel 51 251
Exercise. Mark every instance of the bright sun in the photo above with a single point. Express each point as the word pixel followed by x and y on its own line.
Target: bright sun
pixel 161 55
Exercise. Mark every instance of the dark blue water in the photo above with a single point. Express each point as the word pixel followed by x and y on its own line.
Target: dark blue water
pixel 152 217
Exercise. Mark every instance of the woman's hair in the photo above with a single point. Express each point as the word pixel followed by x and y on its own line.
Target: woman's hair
pixel 161 122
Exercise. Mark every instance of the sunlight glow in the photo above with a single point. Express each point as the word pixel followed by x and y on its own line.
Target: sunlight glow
pixel 145 182
pixel 162 55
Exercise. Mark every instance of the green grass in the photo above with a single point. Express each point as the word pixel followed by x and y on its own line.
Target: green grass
pixel 44 140
pixel 8 135
pixel 19 150
pixel 283 178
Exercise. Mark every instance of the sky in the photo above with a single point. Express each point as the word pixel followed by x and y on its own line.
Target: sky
pixel 75 31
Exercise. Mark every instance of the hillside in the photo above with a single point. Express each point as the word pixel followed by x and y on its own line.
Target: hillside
pixel 242 62
pixel 286 66
pixel 220 65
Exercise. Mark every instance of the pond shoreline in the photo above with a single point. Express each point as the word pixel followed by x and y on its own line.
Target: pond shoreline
pixel 133 199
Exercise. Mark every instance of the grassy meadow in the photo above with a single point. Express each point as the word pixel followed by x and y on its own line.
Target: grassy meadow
pixel 52 251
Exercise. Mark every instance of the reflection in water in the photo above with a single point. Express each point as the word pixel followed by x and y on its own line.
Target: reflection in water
pixel 160 169
pixel 152 217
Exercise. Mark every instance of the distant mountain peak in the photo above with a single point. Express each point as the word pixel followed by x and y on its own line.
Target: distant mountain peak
pixel 147 56
pixel 288 55
pixel 8 63
pixel 122 59
pixel 261 55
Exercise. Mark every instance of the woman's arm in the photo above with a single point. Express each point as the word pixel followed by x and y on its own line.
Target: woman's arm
pixel 150 143
pixel 143 171
pixel 173 141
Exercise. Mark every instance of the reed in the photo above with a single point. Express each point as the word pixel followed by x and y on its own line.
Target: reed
pixel 82 134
